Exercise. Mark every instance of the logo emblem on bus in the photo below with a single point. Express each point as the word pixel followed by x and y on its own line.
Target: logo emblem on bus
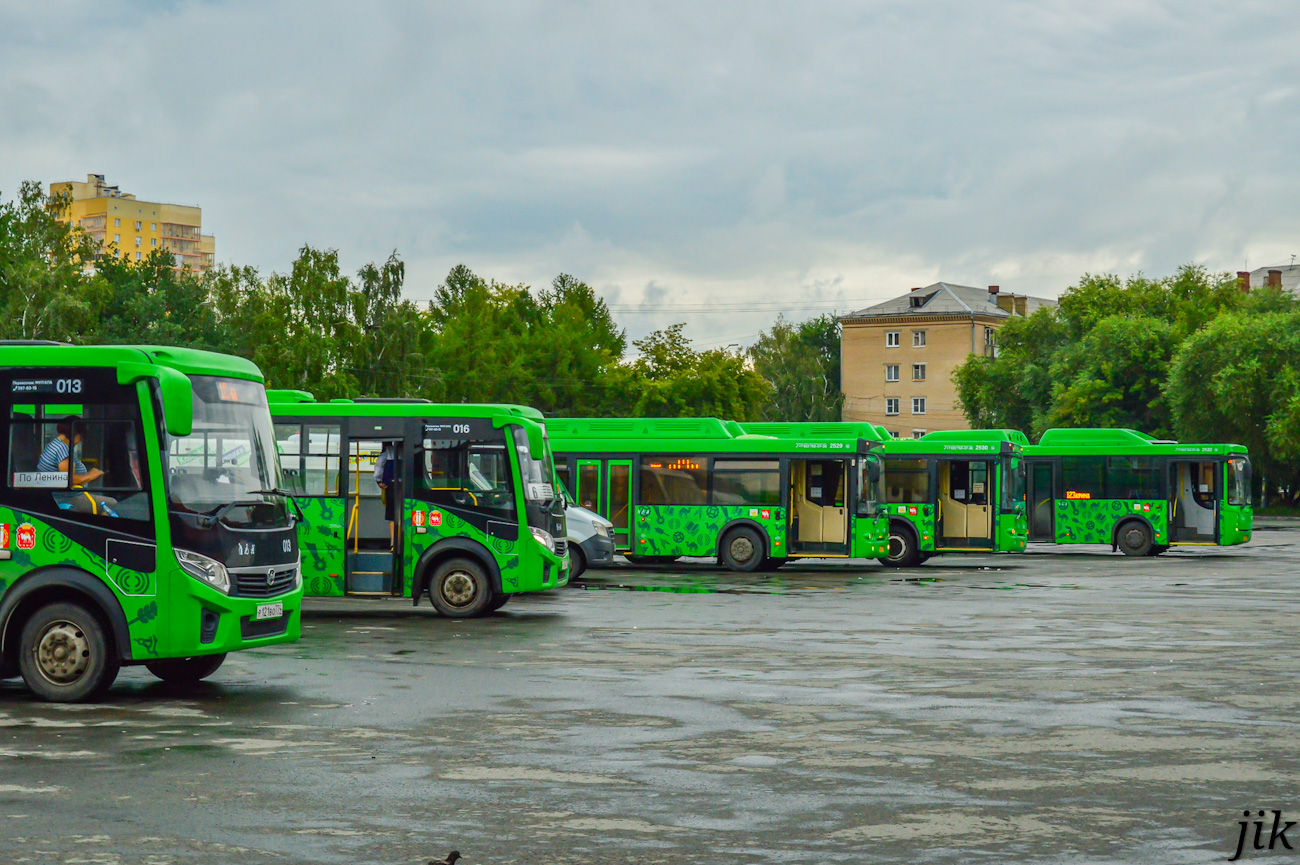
pixel 26 536
pixel 270 576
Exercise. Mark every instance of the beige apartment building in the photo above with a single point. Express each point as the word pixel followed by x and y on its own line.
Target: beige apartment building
pixel 134 228
pixel 897 357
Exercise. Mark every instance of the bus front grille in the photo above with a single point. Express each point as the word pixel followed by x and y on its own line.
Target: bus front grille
pixel 263 582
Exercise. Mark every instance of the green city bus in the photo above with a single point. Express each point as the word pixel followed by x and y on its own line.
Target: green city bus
pixel 703 487
pixel 141 516
pixel 476 517
pixel 1138 494
pixel 959 491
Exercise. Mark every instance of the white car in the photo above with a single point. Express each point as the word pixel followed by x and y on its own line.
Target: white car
pixel 591 539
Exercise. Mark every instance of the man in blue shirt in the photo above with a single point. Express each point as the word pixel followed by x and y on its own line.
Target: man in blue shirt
pixel 59 451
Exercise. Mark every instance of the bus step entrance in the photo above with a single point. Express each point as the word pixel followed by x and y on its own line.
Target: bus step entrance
pixel 370 572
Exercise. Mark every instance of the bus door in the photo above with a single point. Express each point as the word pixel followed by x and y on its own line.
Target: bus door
pixel 965 518
pixel 1041 496
pixel 1193 502
pixel 819 516
pixel 618 500
pixel 373 565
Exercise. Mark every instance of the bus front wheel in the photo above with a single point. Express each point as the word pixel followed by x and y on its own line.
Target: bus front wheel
pixel 460 589
pixel 1134 539
pixel 903 549
pixel 1158 549
pixel 742 550
pixel 186 671
pixel 66 655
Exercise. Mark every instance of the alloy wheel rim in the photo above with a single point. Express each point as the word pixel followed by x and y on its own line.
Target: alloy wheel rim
pixel 897 547
pixel 62 653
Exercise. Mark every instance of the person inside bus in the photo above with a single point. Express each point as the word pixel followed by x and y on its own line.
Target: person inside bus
pixel 385 477
pixel 56 457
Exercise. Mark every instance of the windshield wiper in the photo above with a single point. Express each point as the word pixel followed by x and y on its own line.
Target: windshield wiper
pixel 288 495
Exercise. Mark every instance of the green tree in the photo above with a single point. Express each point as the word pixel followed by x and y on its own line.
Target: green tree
pixel 801 363
pixel 671 379
pixel 151 302
pixel 1236 380
pixel 1014 389
pixel 46 291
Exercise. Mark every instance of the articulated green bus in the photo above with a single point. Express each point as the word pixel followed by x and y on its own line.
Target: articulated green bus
pixel 1136 493
pixel 470 515
pixel 704 487
pixel 141 516
pixel 947 492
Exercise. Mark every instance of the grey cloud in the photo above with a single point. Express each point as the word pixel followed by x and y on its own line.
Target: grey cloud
pixel 832 152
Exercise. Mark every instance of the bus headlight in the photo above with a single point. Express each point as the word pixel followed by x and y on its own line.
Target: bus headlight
pixel 205 570
pixel 544 538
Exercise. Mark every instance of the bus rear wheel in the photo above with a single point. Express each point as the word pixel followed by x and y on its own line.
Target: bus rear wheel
pixel 904 551
pixel 1134 539
pixel 499 601
pixel 460 589
pixel 186 671
pixel 1158 549
pixel 742 550
pixel 65 654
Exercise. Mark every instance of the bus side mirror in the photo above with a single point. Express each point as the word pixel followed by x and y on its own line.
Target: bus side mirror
pixel 535 433
pixel 176 389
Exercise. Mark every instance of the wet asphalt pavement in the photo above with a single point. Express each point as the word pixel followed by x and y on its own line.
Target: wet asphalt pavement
pixel 1054 707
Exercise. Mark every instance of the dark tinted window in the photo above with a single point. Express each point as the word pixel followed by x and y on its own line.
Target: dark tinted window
pixel 1133 478
pixel 907 481
pixel 746 482
pixel 1084 477
pixel 674 480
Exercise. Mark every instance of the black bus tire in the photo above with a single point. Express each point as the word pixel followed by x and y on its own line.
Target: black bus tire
pixel 577 561
pixel 773 565
pixel 1158 549
pixel 742 550
pixel 186 671
pixel 499 601
pixel 904 552
pixel 460 589
pixel 1134 538
pixel 65 654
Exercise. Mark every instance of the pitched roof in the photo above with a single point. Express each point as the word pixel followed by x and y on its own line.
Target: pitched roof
pixel 1290 277
pixel 946 298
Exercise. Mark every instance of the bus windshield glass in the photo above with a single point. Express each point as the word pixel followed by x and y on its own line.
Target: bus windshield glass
pixel 1238 481
pixel 534 474
pixel 1013 484
pixel 871 485
pixel 229 457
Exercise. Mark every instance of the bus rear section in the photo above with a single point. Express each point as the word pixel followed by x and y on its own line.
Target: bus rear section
pixel 952 492
pixel 1135 493
pixel 409 499
pixel 141 520
pixel 702 487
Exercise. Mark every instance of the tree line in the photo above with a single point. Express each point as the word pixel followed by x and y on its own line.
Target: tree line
pixel 319 329
pixel 1190 356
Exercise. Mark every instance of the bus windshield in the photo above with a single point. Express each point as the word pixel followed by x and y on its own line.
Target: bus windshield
pixel 229 458
pixel 871 485
pixel 1013 484
pixel 533 472
pixel 1238 481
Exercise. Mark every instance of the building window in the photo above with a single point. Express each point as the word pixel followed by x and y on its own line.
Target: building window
pixel 117 238
pixel 918 339
pixel 918 405
pixel 138 241
pixel 137 225
pixel 917 433
pixel 153 241
pixel 137 256
pixel 891 372
pixel 891 338
pixel 918 372
pixel 117 223
pixel 891 405
pixel 990 337
pixel 153 226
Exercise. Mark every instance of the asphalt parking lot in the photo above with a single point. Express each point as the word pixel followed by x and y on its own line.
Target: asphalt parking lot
pixel 1053 707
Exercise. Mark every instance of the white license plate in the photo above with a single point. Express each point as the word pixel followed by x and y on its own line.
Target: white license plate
pixel 269 611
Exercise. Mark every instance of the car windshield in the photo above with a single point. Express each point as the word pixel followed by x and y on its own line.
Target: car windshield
pixel 229 458
pixel 1238 481
pixel 536 474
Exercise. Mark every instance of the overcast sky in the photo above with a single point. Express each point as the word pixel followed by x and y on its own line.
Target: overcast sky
pixel 749 157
